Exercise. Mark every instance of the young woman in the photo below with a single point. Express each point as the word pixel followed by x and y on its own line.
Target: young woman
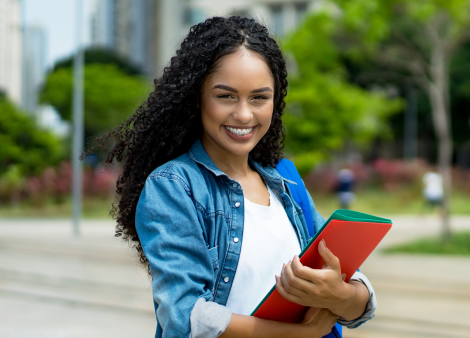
pixel 202 201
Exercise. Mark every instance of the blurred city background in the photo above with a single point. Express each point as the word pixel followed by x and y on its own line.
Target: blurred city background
pixel 377 120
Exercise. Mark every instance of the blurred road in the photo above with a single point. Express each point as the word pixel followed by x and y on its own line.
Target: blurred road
pixel 53 285
pixel 418 295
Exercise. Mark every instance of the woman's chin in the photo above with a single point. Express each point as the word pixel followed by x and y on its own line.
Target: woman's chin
pixel 229 145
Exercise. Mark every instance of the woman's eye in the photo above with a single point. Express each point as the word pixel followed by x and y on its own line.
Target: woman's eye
pixel 260 97
pixel 224 96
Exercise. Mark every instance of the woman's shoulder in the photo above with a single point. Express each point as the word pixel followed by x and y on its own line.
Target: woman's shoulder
pixel 180 177
pixel 182 168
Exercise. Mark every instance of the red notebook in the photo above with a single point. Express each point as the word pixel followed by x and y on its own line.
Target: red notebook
pixel 351 236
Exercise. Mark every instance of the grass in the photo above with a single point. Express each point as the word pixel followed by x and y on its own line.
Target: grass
pixel 459 244
pixel 380 202
pixel 92 208
pixel 371 201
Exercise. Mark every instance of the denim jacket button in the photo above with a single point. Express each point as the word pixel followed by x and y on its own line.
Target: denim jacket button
pixel 226 279
pixel 237 204
pixel 235 239
pixel 235 185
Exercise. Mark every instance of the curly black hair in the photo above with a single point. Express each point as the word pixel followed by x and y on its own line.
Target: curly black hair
pixel 168 123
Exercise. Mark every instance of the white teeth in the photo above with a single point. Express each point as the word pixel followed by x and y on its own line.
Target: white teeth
pixel 241 132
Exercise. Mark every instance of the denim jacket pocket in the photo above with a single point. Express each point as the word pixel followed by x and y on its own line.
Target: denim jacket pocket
pixel 214 257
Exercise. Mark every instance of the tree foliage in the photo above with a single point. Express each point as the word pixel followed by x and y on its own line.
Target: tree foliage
pixel 111 95
pixel 99 55
pixel 325 110
pixel 416 44
pixel 25 149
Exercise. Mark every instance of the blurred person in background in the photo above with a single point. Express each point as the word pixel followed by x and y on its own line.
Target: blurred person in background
pixel 433 191
pixel 345 188
pixel 199 179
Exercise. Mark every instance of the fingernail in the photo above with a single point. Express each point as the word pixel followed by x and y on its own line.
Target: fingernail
pixel 323 243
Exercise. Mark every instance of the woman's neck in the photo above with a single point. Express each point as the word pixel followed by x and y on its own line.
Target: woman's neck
pixel 235 166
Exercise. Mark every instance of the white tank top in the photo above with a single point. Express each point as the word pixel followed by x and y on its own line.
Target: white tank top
pixel 269 240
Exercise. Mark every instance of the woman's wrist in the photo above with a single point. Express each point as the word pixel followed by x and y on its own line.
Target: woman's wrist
pixel 354 303
pixel 246 326
pixel 348 295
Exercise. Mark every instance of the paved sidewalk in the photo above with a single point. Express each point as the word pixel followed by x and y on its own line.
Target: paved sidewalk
pixel 53 285
pixel 418 295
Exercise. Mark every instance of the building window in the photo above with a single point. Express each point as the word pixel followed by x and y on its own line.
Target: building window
pixel 194 15
pixel 277 20
pixel 300 10
pixel 244 13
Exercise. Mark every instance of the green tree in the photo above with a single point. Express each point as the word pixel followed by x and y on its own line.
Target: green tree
pixel 415 41
pixel 325 110
pixel 111 95
pixel 25 149
pixel 99 55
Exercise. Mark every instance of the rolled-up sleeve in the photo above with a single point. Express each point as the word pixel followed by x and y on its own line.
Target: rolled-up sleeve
pixel 369 313
pixel 371 306
pixel 209 319
pixel 172 238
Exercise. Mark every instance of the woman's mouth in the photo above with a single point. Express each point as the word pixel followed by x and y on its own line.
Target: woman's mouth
pixel 239 131
pixel 239 134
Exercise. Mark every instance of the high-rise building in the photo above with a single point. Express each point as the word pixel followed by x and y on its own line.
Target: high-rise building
pixel 177 16
pixel 103 22
pixel 148 32
pixel 11 49
pixel 34 65
pixel 128 27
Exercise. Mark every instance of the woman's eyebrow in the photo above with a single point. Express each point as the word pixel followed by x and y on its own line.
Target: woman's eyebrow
pixel 225 87
pixel 260 90
pixel 231 89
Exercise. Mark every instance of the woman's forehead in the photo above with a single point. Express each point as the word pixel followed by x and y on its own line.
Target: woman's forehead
pixel 244 67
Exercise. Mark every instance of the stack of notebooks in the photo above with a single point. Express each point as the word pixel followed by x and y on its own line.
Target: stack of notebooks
pixel 349 235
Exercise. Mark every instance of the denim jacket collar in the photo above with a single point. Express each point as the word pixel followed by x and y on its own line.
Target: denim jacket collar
pixel 199 155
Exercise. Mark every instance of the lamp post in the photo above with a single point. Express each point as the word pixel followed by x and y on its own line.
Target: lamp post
pixel 77 111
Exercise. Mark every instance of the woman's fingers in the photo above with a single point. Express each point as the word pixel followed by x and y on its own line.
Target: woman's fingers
pixel 331 261
pixel 292 283
pixel 314 276
pixel 313 287
pixel 287 295
pixel 321 321
pixel 310 314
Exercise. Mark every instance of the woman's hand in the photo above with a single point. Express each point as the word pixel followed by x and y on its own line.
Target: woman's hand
pixel 324 288
pixel 316 324
pixel 319 321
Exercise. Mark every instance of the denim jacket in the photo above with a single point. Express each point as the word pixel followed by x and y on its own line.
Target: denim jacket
pixel 190 219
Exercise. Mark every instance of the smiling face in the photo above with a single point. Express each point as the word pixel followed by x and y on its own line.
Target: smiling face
pixel 237 104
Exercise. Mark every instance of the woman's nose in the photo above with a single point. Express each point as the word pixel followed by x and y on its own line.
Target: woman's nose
pixel 243 113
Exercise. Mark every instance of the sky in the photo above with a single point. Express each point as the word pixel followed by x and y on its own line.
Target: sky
pixel 58 18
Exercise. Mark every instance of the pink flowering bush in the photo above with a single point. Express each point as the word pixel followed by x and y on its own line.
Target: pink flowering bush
pixel 393 174
pixel 385 174
pixel 324 178
pixel 55 183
